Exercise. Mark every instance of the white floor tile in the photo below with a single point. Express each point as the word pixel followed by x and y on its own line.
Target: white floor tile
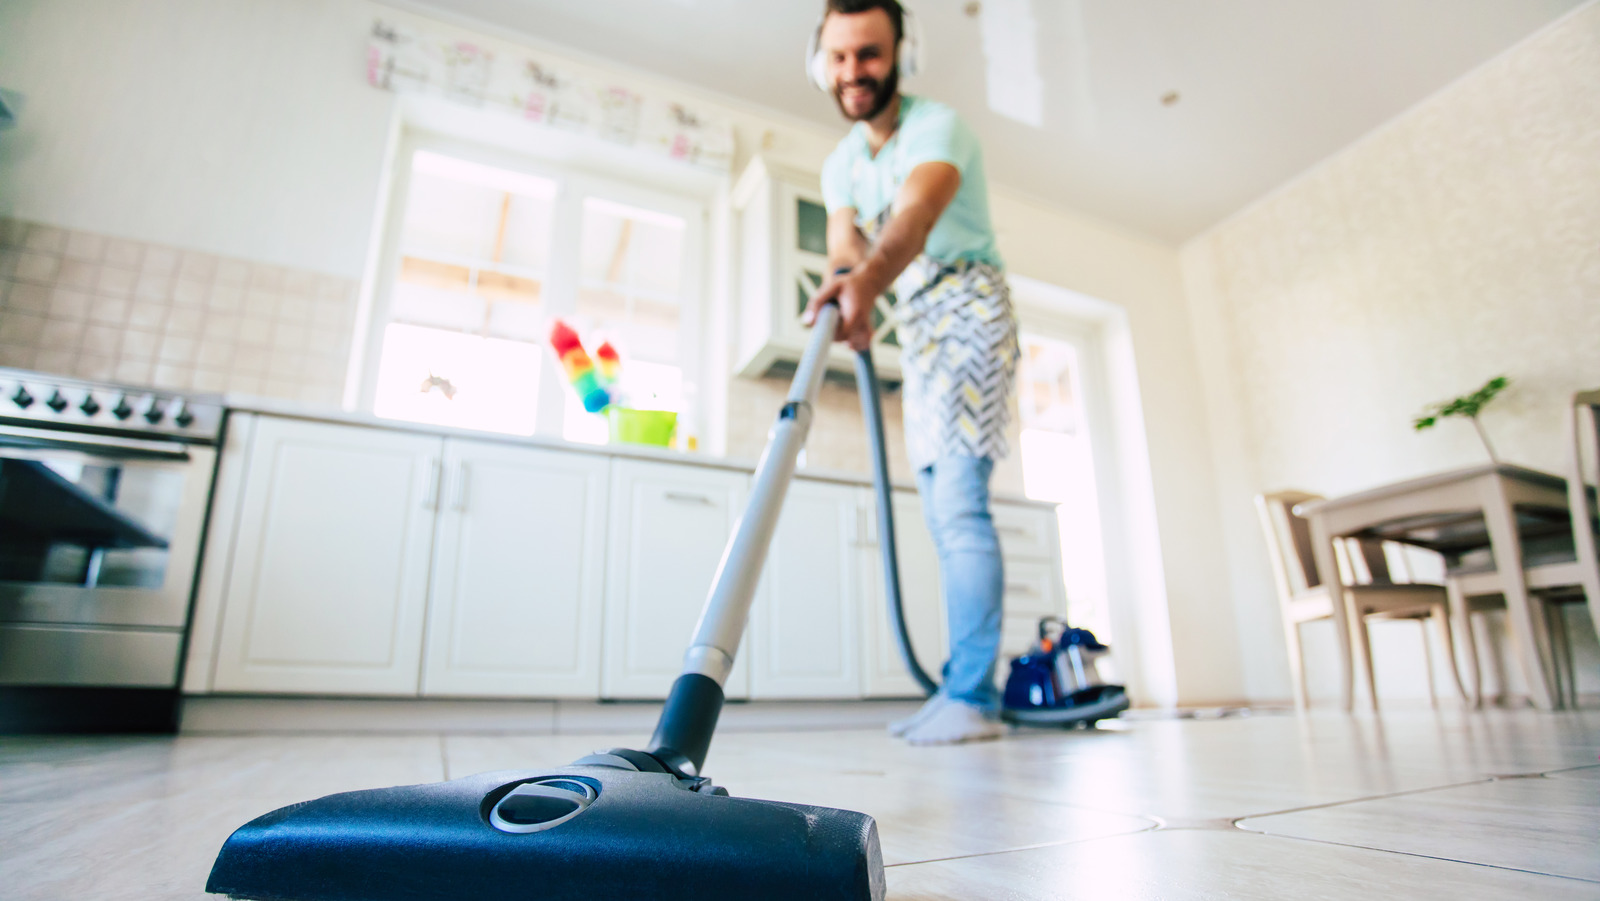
pixel 1040 814
pixel 1543 825
pixel 1179 865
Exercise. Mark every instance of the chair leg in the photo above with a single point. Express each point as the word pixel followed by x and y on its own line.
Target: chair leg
pixel 1561 645
pixel 1441 620
pixel 1462 614
pixel 1566 652
pixel 1427 662
pixel 1544 619
pixel 1363 646
pixel 1297 665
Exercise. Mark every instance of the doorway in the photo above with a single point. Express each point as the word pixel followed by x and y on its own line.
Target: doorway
pixel 1083 446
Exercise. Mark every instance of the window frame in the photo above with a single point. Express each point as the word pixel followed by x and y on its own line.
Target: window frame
pixel 559 291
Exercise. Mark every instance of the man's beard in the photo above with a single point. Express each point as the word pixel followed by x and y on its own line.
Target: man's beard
pixel 883 94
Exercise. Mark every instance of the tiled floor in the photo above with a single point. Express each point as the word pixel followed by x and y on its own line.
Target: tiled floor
pixel 1413 805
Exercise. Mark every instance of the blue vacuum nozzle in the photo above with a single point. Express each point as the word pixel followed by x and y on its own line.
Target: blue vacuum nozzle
pixel 611 825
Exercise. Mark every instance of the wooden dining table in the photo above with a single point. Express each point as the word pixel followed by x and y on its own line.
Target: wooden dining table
pixel 1447 504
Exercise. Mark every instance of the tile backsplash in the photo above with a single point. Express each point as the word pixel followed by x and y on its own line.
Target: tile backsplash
pixel 97 307
pixel 838 438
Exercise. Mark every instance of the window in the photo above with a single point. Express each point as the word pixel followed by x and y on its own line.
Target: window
pixel 1058 466
pixel 482 258
pixel 630 292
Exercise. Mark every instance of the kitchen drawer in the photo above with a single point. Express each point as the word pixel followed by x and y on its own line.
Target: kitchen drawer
pixel 1025 532
pixel 1031 589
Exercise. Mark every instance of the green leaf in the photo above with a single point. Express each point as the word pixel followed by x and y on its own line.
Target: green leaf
pixel 1469 405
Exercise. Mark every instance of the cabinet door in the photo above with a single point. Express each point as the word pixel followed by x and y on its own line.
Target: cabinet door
pixel 806 623
pixel 514 609
pixel 668 526
pixel 329 575
pixel 883 674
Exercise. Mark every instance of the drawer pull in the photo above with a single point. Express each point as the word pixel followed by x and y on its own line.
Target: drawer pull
pixel 1020 588
pixel 1011 530
pixel 430 498
pixel 684 497
pixel 460 502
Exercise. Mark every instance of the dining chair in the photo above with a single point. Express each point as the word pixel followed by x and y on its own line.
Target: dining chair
pixel 1559 569
pixel 1369 589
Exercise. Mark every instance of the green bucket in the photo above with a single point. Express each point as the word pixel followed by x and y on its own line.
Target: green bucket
pixel 652 427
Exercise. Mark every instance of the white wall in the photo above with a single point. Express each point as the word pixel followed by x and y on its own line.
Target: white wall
pixel 1142 276
pixel 246 128
pixel 1459 242
pixel 239 128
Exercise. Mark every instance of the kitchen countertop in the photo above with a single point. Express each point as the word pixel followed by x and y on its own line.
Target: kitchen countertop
pixel 271 406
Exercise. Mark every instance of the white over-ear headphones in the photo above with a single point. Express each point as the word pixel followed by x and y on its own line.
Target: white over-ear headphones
pixel 911 51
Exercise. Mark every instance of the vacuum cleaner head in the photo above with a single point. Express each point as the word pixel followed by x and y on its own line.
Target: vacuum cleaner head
pixel 617 824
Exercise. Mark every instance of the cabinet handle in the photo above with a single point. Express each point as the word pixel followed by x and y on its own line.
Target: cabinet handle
pixel 430 500
pixel 1020 588
pixel 459 500
pixel 1012 530
pixel 685 497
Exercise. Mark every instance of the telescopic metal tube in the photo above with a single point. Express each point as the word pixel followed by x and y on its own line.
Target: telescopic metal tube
pixel 684 730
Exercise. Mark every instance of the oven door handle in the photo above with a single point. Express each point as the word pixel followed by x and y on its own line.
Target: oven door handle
pixel 109 445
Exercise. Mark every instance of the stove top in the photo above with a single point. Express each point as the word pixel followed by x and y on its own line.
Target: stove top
pixel 42 400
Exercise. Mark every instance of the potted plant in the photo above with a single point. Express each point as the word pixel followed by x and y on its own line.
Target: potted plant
pixel 1469 406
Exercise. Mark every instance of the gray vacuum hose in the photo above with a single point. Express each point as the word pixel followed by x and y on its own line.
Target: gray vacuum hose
pixel 872 412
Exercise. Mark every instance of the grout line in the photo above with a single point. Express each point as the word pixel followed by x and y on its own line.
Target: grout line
pixel 1399 794
pixel 444 755
pixel 1470 863
pixel 1548 773
pixel 1060 844
pixel 1414 791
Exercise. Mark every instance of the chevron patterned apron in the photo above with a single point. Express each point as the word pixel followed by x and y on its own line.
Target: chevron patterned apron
pixel 958 355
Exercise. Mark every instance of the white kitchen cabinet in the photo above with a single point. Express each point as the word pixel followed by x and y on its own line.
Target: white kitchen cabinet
pixel 327 583
pixel 518 570
pixel 783 258
pixel 668 525
pixel 883 674
pixel 805 627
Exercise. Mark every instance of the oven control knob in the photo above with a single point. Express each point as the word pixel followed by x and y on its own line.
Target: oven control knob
pixel 182 415
pixel 56 401
pixel 153 413
pixel 123 409
pixel 90 406
pixel 22 398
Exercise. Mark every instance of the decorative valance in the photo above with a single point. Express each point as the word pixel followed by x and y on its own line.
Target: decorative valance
pixel 408 60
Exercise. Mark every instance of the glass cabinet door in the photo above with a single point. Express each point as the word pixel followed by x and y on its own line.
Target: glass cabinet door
pixel 811 246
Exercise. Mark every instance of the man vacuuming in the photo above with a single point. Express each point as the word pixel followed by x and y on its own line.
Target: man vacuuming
pixel 908 208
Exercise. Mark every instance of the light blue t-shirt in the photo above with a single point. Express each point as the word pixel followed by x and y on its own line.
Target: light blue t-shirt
pixel 928 132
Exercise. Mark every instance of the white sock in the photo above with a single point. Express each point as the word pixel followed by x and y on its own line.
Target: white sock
pixel 901 727
pixel 952 723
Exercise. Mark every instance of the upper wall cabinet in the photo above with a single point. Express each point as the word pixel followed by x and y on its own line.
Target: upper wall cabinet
pixel 783 259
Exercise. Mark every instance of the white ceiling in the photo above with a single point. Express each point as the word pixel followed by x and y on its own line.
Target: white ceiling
pixel 1268 87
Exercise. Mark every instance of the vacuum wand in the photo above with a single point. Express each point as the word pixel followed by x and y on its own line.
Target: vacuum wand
pixel 683 733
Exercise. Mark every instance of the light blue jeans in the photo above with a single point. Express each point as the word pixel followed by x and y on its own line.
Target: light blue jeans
pixel 955 503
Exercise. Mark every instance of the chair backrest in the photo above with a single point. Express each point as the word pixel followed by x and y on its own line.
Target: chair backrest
pixel 1288 542
pixel 1361 561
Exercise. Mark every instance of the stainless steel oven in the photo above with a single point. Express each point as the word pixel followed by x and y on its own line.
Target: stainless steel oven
pixel 103 498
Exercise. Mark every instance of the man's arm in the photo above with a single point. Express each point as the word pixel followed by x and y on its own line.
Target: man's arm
pixel 923 198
